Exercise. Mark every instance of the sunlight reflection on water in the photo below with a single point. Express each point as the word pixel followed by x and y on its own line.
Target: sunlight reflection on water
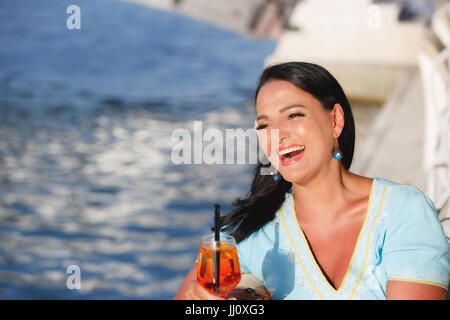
pixel 85 170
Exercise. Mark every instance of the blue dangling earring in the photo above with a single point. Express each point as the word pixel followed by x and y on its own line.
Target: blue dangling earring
pixel 276 177
pixel 337 154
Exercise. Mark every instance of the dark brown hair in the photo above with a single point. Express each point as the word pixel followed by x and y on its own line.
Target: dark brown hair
pixel 266 196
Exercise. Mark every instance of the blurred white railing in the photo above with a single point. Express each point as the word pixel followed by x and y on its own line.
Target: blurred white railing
pixel 435 70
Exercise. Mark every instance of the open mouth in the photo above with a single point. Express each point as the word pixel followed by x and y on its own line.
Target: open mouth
pixel 290 153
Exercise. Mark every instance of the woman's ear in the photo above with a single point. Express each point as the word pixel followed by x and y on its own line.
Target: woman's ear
pixel 337 119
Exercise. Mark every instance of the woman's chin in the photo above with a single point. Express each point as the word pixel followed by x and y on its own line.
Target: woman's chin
pixel 292 177
pixel 295 174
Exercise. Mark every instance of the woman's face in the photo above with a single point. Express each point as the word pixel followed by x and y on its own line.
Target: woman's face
pixel 307 133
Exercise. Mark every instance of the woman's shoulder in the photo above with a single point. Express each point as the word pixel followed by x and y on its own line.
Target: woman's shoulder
pixel 263 238
pixel 405 201
pixel 399 191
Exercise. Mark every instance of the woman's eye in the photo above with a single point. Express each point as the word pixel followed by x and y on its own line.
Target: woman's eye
pixel 263 126
pixel 295 115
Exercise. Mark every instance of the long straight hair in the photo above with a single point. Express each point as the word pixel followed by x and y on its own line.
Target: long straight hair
pixel 266 196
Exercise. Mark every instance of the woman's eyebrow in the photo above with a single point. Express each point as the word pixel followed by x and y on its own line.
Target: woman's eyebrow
pixel 261 117
pixel 290 107
pixel 282 110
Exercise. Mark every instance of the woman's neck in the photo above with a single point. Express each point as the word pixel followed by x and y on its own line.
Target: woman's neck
pixel 318 200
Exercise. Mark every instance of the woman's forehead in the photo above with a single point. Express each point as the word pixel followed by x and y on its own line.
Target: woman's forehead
pixel 278 87
pixel 279 94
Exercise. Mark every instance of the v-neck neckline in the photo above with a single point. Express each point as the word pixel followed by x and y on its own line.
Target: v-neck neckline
pixel 355 248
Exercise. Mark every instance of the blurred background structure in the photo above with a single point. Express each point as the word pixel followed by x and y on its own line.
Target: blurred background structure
pixel 86 118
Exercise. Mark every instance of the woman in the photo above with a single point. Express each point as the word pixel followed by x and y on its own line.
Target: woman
pixel 315 230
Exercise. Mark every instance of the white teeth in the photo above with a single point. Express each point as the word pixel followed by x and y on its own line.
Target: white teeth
pixel 296 148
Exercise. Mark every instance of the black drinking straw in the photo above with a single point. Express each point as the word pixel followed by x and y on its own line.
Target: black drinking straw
pixel 217 222
pixel 216 256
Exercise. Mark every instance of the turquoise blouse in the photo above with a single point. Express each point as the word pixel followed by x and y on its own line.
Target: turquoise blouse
pixel 401 239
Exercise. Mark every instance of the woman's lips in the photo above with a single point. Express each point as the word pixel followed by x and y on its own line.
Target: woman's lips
pixel 290 154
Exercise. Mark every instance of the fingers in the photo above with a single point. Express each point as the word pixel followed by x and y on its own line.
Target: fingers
pixel 205 295
pixel 197 292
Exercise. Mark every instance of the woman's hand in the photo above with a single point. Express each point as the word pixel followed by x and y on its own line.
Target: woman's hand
pixel 192 290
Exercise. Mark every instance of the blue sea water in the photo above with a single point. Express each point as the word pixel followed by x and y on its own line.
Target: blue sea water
pixel 86 118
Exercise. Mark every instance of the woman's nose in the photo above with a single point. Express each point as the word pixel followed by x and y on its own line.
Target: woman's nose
pixel 276 137
pixel 283 134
